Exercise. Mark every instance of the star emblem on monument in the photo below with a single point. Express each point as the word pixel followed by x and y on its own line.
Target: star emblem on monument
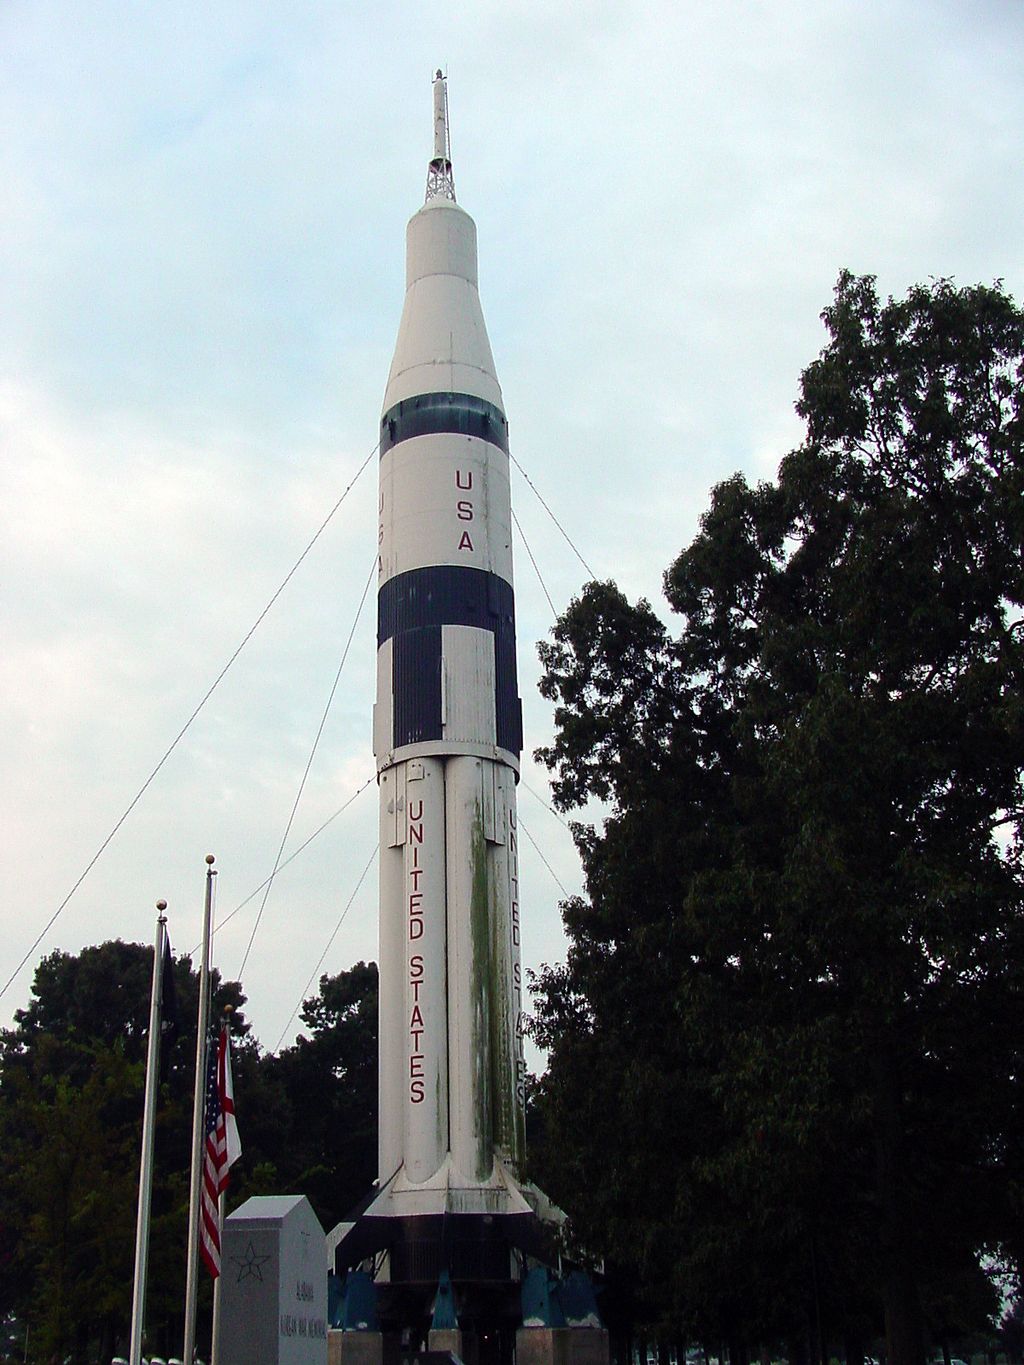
pixel 250 1266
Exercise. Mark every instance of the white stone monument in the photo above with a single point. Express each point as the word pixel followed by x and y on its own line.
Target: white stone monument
pixel 274 1284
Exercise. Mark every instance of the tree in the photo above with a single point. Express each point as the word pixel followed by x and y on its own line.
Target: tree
pixel 71 1087
pixel 1011 1332
pixel 78 1175
pixel 329 1081
pixel 798 965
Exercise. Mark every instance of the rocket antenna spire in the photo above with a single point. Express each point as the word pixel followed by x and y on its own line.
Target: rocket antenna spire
pixel 440 181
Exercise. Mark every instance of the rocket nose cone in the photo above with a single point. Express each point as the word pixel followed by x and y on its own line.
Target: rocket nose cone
pixel 441 240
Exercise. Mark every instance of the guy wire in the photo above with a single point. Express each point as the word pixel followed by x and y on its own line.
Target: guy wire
pixel 309 764
pixel 327 949
pixel 184 729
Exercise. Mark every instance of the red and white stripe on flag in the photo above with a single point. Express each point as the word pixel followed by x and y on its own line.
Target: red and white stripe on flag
pixel 221 1148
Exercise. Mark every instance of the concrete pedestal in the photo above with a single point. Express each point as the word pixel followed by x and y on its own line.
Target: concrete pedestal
pixel 589 1346
pixel 542 1346
pixel 453 1340
pixel 362 1348
pixel 563 1346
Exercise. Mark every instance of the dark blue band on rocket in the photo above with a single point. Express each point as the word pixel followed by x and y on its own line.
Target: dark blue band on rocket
pixel 444 595
pixel 416 680
pixel 427 413
pixel 411 609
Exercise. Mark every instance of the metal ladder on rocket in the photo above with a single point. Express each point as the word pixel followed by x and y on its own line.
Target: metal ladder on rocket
pixel 447 730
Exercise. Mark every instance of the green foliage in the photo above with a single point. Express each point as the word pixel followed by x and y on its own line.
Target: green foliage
pixel 329 1085
pixel 1011 1332
pixel 798 968
pixel 72 1076
pixel 74 1194
pixel 71 1098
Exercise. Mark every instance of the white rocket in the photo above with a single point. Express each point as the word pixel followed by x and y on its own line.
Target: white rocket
pixel 447 734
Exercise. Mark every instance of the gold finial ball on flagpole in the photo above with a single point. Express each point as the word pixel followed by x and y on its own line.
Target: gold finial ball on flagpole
pixel 161 906
pixel 210 860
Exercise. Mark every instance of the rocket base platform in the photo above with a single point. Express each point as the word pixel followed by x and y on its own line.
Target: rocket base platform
pixel 478 1233
pixel 482 1237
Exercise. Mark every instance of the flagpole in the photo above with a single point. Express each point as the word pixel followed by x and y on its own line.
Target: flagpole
pixel 202 1025
pixel 148 1125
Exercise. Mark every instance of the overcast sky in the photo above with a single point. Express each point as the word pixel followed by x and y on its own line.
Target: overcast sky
pixel 201 275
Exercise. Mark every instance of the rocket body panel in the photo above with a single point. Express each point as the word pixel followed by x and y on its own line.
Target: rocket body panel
pixel 468 685
pixel 444 499
pixel 451 1065
pixel 486 1069
pixel 509 1062
pixel 447 688
pixel 391 973
pixel 440 239
pixel 469 886
pixel 425 1111
pixel 442 346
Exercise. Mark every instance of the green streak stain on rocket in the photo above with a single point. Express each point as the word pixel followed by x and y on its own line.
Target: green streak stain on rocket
pixel 482 994
pixel 506 1128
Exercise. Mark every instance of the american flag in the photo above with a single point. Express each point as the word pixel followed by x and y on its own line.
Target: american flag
pixel 221 1148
